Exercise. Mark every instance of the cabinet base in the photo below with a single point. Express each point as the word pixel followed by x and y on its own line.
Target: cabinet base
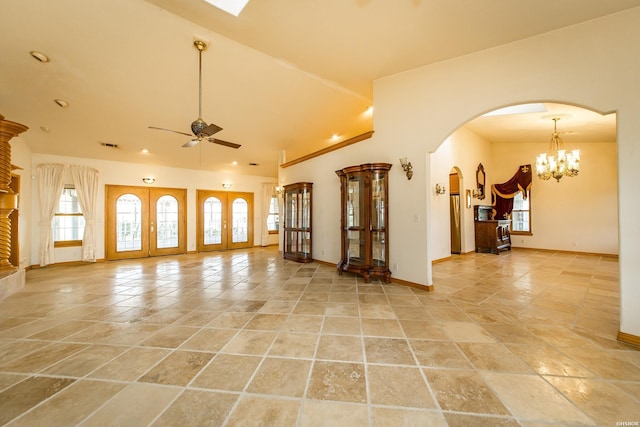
pixel 366 273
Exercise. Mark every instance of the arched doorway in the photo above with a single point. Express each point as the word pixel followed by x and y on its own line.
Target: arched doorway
pixel 455 211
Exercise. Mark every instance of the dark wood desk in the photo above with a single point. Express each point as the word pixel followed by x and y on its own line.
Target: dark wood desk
pixel 493 235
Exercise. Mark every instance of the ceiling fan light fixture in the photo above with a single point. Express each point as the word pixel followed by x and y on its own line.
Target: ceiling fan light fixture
pixel 198 126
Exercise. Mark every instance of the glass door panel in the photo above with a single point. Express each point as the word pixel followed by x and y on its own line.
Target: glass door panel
pixel 212 232
pixel 211 224
pixel 168 228
pixel 167 222
pixel 128 223
pixel 240 213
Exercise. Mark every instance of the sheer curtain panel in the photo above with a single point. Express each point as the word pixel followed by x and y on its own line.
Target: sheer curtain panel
pixel 268 188
pixel 85 180
pixel 50 183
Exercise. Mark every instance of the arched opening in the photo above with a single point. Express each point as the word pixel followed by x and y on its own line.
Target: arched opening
pixel 576 214
pixel 455 210
pixel 573 218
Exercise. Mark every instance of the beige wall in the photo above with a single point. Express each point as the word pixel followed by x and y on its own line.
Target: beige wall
pixel 575 214
pixel 415 112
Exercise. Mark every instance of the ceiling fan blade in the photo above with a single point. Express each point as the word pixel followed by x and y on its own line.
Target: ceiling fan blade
pixel 225 143
pixel 191 143
pixel 170 130
pixel 209 130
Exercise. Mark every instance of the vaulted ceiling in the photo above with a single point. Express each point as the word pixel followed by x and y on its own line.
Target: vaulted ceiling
pixel 285 75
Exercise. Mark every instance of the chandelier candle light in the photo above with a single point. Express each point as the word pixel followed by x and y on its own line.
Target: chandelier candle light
pixel 557 162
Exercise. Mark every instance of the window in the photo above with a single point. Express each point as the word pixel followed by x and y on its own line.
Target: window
pixel 273 220
pixel 68 222
pixel 521 214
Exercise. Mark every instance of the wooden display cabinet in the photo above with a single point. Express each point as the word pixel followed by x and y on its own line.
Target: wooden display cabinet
pixel 297 221
pixel 364 239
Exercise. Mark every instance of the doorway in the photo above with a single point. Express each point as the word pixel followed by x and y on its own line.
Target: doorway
pixel 455 212
pixel 224 220
pixel 143 221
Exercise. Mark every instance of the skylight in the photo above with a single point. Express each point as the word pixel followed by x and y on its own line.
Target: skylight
pixel 233 7
pixel 518 109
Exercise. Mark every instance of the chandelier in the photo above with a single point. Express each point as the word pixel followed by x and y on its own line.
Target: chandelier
pixel 557 162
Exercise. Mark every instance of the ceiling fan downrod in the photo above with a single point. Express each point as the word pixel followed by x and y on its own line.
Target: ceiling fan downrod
pixel 199 125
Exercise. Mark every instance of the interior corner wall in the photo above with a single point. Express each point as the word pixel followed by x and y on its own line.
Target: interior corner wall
pixel 122 173
pixel 465 150
pixel 598 70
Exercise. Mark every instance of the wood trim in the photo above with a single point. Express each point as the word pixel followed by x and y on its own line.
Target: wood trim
pixel 67 243
pixel 628 338
pixel 62 264
pixel 445 259
pixel 326 150
pixel 428 288
pixel 521 248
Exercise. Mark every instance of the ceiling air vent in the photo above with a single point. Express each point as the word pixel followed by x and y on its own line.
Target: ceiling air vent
pixel 109 145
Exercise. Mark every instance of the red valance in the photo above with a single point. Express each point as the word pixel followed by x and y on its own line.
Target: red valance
pixel 502 194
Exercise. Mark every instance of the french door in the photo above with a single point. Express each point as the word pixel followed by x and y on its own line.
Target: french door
pixel 224 220
pixel 144 221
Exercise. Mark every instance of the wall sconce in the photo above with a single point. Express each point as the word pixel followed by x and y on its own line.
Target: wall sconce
pixel 226 185
pixel 148 180
pixel 279 190
pixel 406 166
pixel 440 189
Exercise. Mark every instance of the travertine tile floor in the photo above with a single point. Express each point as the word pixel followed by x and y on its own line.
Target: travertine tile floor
pixel 245 338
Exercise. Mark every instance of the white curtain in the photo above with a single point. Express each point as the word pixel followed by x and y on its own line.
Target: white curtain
pixel 50 183
pixel 85 180
pixel 268 190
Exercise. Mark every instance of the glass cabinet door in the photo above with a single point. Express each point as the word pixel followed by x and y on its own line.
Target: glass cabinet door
pixel 355 231
pixel 297 222
pixel 378 213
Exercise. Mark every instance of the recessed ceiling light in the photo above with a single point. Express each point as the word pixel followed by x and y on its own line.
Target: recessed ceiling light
pixel 144 151
pixel 335 137
pixel 61 102
pixel 45 129
pixel 39 56
pixel 234 163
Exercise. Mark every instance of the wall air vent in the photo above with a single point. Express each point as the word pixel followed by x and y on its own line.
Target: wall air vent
pixel 109 145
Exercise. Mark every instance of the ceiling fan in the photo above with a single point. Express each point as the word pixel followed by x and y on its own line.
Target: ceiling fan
pixel 199 127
